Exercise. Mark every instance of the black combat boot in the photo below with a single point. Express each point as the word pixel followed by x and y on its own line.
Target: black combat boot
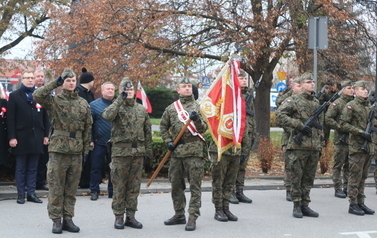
pixel 297 210
pixel 345 191
pixel 366 209
pixel 233 199
pixel 231 216
pixel 241 197
pixel 191 224
pixel 340 194
pixel 288 196
pixel 68 225
pixel 21 199
pixel 132 222
pixel 57 226
pixel 356 210
pixel 306 211
pixel 220 215
pixel 175 220
pixel 119 223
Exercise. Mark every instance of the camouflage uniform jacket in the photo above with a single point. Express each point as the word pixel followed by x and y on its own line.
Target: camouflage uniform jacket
pixel 170 126
pixel 354 121
pixel 333 114
pixel 249 134
pixel 130 126
pixel 281 98
pixel 68 113
pixel 293 113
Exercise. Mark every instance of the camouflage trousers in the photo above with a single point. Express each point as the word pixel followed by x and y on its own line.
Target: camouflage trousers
pixel 340 165
pixel 287 170
pixel 240 180
pixel 358 172
pixel 224 173
pixel 193 169
pixel 303 165
pixel 63 177
pixel 126 178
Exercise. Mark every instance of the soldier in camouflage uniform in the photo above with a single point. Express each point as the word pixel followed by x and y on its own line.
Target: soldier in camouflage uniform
pixel 71 121
pixel 303 158
pixel 353 120
pixel 247 141
pixel 331 89
pixel 340 139
pixel 295 89
pixel 187 157
pixel 131 139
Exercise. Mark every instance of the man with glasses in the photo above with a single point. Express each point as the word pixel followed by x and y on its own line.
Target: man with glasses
pixel 304 156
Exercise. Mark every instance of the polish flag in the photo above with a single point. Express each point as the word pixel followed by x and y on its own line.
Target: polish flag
pixel 140 93
pixel 4 91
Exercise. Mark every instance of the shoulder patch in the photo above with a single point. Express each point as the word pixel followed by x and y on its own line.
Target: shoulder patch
pixel 334 104
pixel 349 107
pixel 288 100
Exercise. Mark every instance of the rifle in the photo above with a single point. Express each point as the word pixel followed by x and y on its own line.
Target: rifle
pixel 250 97
pixel 311 122
pixel 320 93
pixel 343 138
pixel 369 129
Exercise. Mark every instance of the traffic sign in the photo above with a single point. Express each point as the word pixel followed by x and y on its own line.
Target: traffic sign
pixel 281 86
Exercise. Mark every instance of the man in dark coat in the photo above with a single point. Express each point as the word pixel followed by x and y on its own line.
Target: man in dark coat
pixel 86 81
pixel 27 133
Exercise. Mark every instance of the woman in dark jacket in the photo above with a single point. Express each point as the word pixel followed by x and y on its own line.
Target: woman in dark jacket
pixel 4 145
pixel 27 133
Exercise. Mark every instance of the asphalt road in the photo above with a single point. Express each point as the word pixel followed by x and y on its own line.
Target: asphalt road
pixel 270 216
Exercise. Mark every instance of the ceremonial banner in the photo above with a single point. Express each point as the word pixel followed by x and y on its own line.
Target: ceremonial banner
pixel 4 91
pixel 224 109
pixel 140 93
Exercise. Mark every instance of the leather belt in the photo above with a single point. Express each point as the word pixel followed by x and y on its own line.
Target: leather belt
pixel 126 145
pixel 188 139
pixel 69 134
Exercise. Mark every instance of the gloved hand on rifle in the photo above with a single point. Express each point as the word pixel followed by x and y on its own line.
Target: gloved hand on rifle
pixel 307 131
pixel 366 136
pixel 67 73
pixel 123 95
pixel 171 146
pixel 194 116
pixel 242 158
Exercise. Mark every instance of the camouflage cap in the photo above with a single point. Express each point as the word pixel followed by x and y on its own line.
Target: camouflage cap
pixel 126 82
pixel 68 72
pixel 362 83
pixel 346 83
pixel 297 79
pixel 185 81
pixel 242 73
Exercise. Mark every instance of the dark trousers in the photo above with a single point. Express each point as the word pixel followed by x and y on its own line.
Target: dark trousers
pixel 42 167
pixel 26 173
pixel 85 173
pixel 98 158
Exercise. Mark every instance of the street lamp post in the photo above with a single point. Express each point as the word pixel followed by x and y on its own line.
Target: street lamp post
pixel 371 5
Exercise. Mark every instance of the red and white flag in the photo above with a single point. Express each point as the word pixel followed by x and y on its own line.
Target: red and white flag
pixel 4 91
pixel 224 109
pixel 140 93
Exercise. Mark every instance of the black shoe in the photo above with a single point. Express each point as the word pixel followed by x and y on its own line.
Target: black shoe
pixel 366 209
pixel 44 187
pixel 57 226
pixel 233 199
pixel 306 211
pixel 230 216
pixel 345 191
pixel 175 220
pixel 94 196
pixel 21 199
pixel 132 222
pixel 288 196
pixel 220 215
pixel 241 197
pixel 340 194
pixel 110 195
pixel 68 225
pixel 297 211
pixel 119 223
pixel 191 225
pixel 356 210
pixel 34 198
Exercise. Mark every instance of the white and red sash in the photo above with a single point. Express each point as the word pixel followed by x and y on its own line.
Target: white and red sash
pixel 183 116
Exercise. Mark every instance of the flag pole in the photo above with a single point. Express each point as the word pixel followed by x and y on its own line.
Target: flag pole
pixel 168 153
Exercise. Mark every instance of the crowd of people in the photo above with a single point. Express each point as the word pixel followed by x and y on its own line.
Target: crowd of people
pixel 70 138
